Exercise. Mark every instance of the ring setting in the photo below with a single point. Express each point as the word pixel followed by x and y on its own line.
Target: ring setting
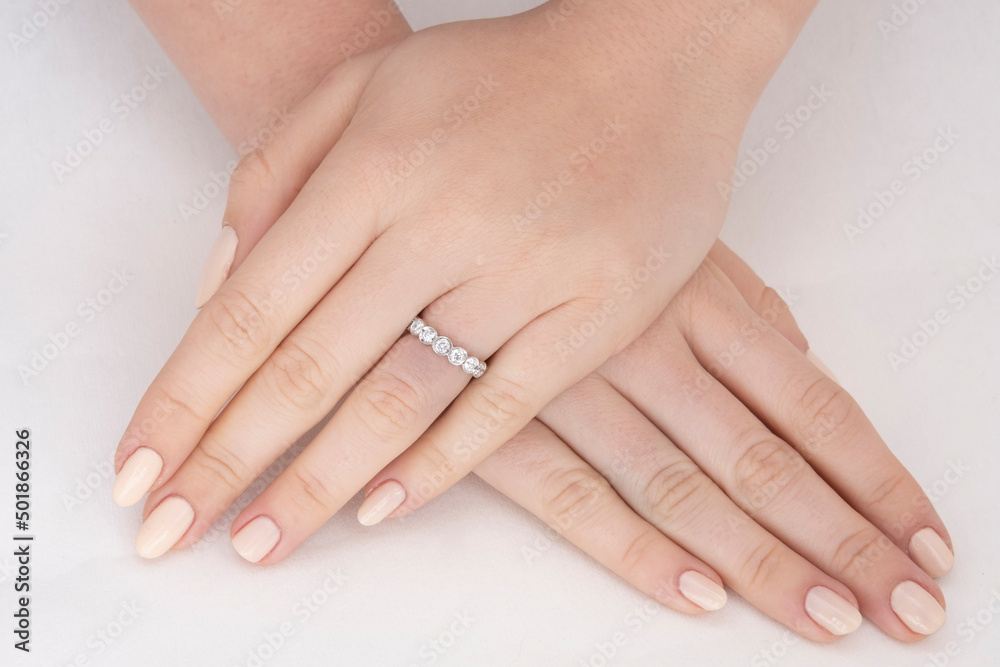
pixel 443 347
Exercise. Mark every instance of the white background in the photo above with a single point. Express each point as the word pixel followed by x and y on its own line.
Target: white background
pixel 404 581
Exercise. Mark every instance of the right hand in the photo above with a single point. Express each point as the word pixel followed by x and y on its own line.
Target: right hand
pixel 674 457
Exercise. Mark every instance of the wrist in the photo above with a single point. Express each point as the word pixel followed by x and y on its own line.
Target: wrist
pixel 731 46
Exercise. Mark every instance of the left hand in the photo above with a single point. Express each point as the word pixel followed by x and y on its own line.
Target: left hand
pixel 627 158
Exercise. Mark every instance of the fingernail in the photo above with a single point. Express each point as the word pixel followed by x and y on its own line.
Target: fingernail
pixel 917 608
pixel 216 270
pixel 256 539
pixel 831 611
pixel 820 365
pixel 380 504
pixel 163 527
pixel 137 476
pixel 929 551
pixel 702 591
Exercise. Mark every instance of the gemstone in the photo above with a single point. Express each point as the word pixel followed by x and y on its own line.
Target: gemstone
pixel 470 365
pixel 427 335
pixel 479 371
pixel 416 325
pixel 457 356
pixel 442 345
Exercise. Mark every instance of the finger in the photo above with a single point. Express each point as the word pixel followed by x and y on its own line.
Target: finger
pixel 764 300
pixel 384 414
pixel 773 484
pixel 314 366
pixel 664 486
pixel 395 402
pixel 539 472
pixel 267 179
pixel 526 373
pixel 818 417
pixel 288 272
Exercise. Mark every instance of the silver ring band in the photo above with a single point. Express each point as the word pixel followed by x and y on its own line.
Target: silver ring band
pixel 443 347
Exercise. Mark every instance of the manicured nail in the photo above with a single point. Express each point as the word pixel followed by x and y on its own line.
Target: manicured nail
pixel 831 611
pixel 137 476
pixel 163 527
pixel 256 539
pixel 380 504
pixel 820 365
pixel 929 551
pixel 216 270
pixel 702 591
pixel 917 608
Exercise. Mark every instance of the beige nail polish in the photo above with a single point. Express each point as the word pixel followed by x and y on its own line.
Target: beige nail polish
pixel 820 365
pixel 929 551
pixel 216 269
pixel 256 539
pixel 916 608
pixel 380 504
pixel 137 476
pixel 163 527
pixel 832 611
pixel 701 590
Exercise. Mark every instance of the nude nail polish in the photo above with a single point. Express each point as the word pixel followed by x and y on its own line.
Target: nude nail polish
pixel 930 553
pixel 831 611
pixel 136 476
pixel 256 539
pixel 917 608
pixel 163 527
pixel 216 270
pixel 701 590
pixel 820 365
pixel 381 502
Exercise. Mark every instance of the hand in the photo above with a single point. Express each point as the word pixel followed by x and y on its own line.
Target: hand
pixel 366 244
pixel 745 460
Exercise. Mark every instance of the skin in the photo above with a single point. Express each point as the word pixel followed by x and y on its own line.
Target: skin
pixel 641 520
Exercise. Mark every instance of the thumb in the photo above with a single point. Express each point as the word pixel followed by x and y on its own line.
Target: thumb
pixel 268 177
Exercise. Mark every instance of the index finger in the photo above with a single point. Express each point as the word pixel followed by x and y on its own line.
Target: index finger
pixel 289 271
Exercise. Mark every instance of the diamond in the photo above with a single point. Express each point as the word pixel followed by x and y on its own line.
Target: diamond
pixel 442 345
pixel 457 356
pixel 416 325
pixel 427 335
pixel 479 371
pixel 470 365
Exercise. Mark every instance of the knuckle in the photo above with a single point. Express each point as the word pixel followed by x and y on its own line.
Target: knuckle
pixel 640 550
pixel 764 563
pixel 858 551
pixel 771 305
pixel 297 375
pixel 220 467
pixel 253 172
pixel 179 398
pixel 765 468
pixel 387 404
pixel 672 489
pixel 239 323
pixel 822 412
pixel 887 491
pixel 501 401
pixel 438 470
pixel 572 496
pixel 312 494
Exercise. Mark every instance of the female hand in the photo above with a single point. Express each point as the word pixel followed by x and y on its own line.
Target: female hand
pixel 717 431
pixel 628 154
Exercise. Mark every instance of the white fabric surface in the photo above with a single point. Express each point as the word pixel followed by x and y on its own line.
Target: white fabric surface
pixel 405 582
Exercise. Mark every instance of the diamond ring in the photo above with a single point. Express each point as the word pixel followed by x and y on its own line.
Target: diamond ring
pixel 443 346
